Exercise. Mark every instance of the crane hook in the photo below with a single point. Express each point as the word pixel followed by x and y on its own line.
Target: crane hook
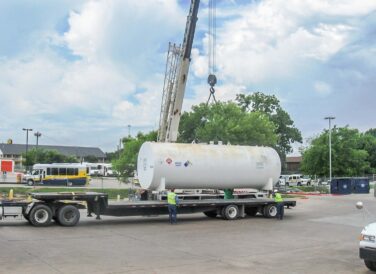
pixel 212 80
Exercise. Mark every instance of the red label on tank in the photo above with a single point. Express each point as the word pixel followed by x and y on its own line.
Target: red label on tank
pixel 168 161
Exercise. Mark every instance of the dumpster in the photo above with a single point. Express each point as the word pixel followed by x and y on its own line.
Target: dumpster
pixel 360 185
pixel 341 186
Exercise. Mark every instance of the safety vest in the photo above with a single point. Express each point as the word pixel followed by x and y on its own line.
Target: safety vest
pixel 278 198
pixel 171 198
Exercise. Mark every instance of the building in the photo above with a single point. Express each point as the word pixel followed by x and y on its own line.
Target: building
pixel 293 164
pixel 14 152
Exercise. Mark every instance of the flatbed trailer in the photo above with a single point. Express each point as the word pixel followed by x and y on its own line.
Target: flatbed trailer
pixel 64 207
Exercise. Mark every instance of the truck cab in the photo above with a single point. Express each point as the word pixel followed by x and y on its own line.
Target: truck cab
pixel 367 246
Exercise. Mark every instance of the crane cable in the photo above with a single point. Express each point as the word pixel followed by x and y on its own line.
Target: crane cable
pixel 212 79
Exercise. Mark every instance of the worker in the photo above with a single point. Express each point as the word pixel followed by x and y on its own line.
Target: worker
pixel 144 194
pixel 173 202
pixel 280 206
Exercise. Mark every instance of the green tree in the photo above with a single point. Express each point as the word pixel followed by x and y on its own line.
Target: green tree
pixel 43 156
pixel 226 122
pixel 349 158
pixel 270 105
pixel 110 156
pixel 368 143
pixel 127 162
pixel 91 159
pixel 371 131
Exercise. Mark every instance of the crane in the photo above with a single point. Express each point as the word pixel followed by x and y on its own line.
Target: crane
pixel 177 68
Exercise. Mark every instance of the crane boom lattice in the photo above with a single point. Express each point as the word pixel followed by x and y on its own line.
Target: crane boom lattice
pixel 177 68
pixel 169 89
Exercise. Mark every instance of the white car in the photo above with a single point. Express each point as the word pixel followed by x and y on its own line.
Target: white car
pixel 367 246
pixel 305 180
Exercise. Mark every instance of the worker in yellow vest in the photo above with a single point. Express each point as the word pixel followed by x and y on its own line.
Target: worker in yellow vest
pixel 173 202
pixel 280 206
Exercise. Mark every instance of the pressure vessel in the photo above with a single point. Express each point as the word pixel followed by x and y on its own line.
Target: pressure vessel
pixel 201 166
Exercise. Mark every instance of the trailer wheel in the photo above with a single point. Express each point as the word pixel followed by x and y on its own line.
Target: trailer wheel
pixel 251 211
pixel 68 215
pixel 40 215
pixel 26 217
pixel 270 211
pixel 370 265
pixel 230 212
pixel 211 214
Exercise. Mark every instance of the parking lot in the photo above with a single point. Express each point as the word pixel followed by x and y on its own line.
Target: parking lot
pixel 320 235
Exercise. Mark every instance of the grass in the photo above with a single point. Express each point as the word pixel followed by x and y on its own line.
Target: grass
pixel 321 189
pixel 23 191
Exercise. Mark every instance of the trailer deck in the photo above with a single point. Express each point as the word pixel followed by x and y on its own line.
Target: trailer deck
pixel 63 207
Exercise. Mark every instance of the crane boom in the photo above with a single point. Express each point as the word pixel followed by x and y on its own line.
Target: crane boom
pixel 177 68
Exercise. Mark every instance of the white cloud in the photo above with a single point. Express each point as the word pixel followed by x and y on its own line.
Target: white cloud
pixel 322 88
pixel 270 41
pixel 145 110
pixel 88 28
pixel 115 81
pixel 117 78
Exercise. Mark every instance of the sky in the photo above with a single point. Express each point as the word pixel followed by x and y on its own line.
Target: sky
pixel 82 72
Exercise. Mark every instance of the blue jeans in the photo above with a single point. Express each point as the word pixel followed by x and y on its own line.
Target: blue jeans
pixel 280 211
pixel 172 213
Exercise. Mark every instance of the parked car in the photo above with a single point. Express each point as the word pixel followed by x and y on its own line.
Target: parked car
pixel 367 246
pixel 306 180
pixel 293 180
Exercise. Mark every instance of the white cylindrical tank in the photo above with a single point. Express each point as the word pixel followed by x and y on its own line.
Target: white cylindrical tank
pixel 196 166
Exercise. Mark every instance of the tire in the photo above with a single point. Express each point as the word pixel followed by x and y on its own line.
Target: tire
pixel 251 211
pixel 27 218
pixel 270 211
pixel 211 214
pixel 40 215
pixel 308 184
pixel 230 212
pixel 299 184
pixel 68 215
pixel 30 182
pixel 55 219
pixel 371 265
pixel 287 184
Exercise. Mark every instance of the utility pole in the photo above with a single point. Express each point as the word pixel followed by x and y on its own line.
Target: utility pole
pixel 330 118
pixel 129 130
pixel 119 148
pixel 27 141
pixel 37 134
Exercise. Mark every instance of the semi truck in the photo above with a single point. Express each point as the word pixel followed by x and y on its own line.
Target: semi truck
pixel 164 166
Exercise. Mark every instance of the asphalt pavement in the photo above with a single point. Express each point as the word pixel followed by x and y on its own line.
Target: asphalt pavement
pixel 320 235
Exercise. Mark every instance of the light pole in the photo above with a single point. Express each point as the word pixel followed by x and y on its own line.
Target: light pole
pixel 129 130
pixel 330 118
pixel 27 141
pixel 37 134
